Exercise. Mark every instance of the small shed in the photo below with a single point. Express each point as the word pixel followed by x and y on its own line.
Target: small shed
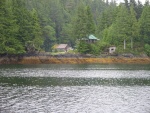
pixel 62 48
pixel 112 49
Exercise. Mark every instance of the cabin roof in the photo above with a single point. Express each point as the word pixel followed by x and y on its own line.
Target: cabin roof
pixel 92 37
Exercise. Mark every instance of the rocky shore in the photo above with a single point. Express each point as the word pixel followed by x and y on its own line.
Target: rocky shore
pixel 75 59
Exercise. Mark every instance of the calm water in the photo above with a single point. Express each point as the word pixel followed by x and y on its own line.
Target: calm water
pixel 75 88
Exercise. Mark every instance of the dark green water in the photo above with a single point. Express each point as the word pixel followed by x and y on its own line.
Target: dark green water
pixel 94 88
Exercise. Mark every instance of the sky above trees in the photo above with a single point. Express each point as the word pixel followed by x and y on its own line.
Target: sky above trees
pixel 122 1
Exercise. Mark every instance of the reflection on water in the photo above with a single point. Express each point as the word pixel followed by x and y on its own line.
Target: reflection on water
pixel 75 88
pixel 66 81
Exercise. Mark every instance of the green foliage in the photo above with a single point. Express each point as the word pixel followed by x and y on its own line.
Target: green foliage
pixel 109 35
pixel 134 34
pixel 94 49
pixel 50 39
pixel 122 24
pixel 144 23
pixel 33 25
pixel 83 47
pixel 18 26
pixel 67 35
pixel 9 28
pixel 36 30
pixel 90 26
pixel 106 19
pixel 139 9
pixel 147 49
pixel 84 23
pixel 80 24
pixel 102 45
pixel 119 30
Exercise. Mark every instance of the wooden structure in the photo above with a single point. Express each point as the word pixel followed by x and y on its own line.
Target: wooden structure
pixel 62 48
pixel 90 39
pixel 112 49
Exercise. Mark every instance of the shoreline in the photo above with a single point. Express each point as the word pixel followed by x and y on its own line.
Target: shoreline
pixel 73 60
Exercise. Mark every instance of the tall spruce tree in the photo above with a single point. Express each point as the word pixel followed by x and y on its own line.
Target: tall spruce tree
pixel 9 28
pixel 127 5
pixel 49 38
pixel 80 23
pixel 145 25
pixel 23 19
pixel 134 36
pixel 56 15
pixel 139 9
pixel 122 26
pixel 84 23
pixel 36 30
pixel 2 26
pixel 90 22
pixel 147 3
pixel 107 18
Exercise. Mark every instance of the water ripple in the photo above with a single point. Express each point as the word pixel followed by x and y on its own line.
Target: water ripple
pixel 75 88
pixel 91 99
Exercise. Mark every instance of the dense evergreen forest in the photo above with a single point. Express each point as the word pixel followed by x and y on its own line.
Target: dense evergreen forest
pixel 27 26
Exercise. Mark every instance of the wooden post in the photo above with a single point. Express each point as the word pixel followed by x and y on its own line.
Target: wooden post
pixel 124 44
pixel 131 43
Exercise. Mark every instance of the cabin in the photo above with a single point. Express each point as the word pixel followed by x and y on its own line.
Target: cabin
pixel 112 49
pixel 62 48
pixel 90 39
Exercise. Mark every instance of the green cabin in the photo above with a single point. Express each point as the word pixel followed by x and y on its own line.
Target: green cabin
pixel 90 39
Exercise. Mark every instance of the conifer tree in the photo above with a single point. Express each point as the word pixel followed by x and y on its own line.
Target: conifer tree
pixel 90 22
pixel 134 26
pixel 84 23
pixel 107 18
pixel 9 28
pixel 49 37
pixel 80 24
pixel 2 26
pixel 145 25
pixel 147 3
pixel 139 9
pixel 122 26
pixel 36 30
pixel 127 4
pixel 56 15
pixel 23 19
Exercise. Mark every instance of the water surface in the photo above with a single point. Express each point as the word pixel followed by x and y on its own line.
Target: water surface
pixel 94 88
